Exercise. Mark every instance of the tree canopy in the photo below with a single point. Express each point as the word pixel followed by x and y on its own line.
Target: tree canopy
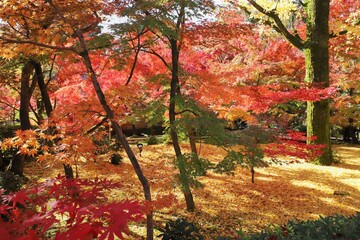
pixel 259 79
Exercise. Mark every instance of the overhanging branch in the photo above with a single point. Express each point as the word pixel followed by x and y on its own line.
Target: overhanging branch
pixel 280 27
pixel 19 41
pixel 187 110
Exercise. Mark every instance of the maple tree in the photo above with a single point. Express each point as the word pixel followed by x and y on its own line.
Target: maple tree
pixel 315 48
pixel 199 71
pixel 167 21
pixel 183 89
pixel 49 14
pixel 25 91
pixel 344 70
pixel 79 209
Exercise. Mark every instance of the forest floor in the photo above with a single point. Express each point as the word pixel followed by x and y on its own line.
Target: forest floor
pixel 227 203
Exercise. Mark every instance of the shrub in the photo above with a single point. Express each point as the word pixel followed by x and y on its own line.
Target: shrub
pixel 180 229
pixel 115 159
pixel 8 131
pixel 5 157
pixel 105 145
pixel 151 140
pixel 331 227
pixel 10 181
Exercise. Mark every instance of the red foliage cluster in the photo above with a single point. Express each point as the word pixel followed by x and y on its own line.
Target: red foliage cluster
pixel 75 209
pixel 294 144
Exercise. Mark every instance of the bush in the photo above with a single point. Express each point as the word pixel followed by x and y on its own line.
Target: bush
pixel 331 227
pixel 115 158
pixel 10 181
pixel 180 229
pixel 8 131
pixel 151 140
pixel 5 157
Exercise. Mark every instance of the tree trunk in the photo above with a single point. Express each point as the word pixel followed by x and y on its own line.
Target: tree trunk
pixel 26 90
pixel 119 134
pixel 174 89
pixel 316 50
pixel 69 173
pixel 317 73
pixel 192 140
pixel 42 86
pixel 194 152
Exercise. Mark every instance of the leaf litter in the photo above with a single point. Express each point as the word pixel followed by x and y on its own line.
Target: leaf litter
pixel 226 203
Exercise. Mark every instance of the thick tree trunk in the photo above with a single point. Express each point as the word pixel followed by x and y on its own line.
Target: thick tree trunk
pixel 317 73
pixel 174 89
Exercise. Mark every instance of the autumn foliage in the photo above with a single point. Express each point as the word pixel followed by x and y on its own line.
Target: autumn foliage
pixel 67 209
pixel 187 66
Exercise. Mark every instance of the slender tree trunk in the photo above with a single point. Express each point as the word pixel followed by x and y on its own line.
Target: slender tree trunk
pixel 194 152
pixel 69 173
pixel 110 115
pixel 119 134
pixel 192 140
pixel 26 90
pixel 42 86
pixel 174 89
pixel 317 73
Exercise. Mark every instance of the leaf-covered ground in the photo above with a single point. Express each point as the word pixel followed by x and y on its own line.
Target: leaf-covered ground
pixel 228 203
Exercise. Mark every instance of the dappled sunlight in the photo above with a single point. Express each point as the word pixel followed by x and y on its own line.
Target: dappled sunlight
pixel 228 203
pixel 312 185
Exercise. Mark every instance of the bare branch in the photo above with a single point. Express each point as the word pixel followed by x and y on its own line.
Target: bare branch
pixel 137 51
pixel 51 70
pixel 43 45
pixel 187 110
pixel 8 104
pixel 158 55
pixel 93 128
pixel 334 35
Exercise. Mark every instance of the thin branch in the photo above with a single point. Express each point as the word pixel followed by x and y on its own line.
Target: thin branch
pixel 13 28
pixel 158 36
pixel 35 113
pixel 137 51
pixel 8 104
pixel 137 36
pixel 187 110
pixel 103 68
pixel 334 35
pixel 51 69
pixel 7 41
pixel 92 129
pixel 180 26
pixel 158 55
pixel 102 46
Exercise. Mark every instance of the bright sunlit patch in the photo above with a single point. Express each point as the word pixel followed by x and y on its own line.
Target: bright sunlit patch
pixel 312 185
